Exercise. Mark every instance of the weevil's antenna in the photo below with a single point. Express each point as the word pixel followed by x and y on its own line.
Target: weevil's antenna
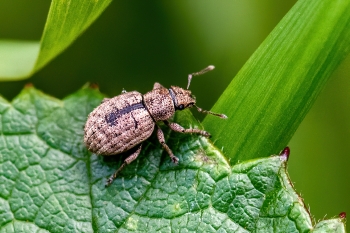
pixel 205 70
pixel 223 116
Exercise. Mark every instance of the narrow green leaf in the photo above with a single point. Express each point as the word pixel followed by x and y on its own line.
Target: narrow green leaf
pixel 66 21
pixel 272 93
pixel 50 183
pixel 17 58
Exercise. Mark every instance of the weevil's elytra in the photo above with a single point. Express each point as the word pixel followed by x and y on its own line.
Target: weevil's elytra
pixel 125 121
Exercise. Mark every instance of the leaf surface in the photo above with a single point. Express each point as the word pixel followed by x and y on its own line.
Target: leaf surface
pixel 50 183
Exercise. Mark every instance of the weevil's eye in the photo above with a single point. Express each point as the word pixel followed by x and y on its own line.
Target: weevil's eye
pixel 180 107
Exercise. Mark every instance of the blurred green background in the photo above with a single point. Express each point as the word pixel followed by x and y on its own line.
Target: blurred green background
pixel 135 43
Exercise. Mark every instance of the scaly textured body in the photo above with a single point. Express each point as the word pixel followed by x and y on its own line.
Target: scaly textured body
pixel 125 121
pixel 118 125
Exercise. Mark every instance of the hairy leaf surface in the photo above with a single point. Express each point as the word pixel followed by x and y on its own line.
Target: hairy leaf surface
pixel 50 182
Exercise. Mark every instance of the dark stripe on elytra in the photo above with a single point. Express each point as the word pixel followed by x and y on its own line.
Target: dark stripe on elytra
pixel 113 116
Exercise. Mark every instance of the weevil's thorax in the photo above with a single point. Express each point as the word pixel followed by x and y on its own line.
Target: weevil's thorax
pixel 159 104
pixel 182 98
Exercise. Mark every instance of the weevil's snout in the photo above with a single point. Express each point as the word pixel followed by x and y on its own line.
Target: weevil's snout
pixel 182 98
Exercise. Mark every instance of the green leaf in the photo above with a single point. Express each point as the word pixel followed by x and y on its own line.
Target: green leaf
pixel 65 22
pixel 49 182
pixel 270 96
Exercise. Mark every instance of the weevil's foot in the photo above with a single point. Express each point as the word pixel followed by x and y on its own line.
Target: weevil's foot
pixel 110 180
pixel 206 134
pixel 115 174
pixel 175 159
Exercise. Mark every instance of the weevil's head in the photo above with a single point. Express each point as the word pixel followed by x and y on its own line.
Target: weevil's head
pixel 182 98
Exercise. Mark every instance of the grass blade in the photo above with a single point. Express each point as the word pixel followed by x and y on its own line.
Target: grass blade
pixel 272 93
pixel 66 21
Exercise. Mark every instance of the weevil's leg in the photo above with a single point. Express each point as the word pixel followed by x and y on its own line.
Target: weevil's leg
pixel 157 85
pixel 105 99
pixel 161 139
pixel 127 161
pixel 178 128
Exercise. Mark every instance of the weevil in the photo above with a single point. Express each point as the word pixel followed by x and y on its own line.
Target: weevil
pixel 122 123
